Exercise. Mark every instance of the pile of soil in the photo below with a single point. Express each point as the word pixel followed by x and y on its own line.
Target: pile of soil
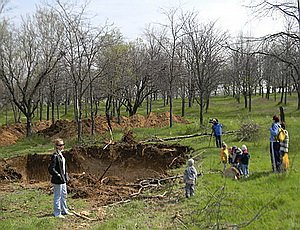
pixel 105 175
pixel 67 128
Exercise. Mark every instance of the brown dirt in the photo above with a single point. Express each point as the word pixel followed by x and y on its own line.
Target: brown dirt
pixel 126 162
pixel 67 128
pixel 100 174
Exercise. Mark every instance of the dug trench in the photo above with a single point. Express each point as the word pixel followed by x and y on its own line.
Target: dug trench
pixel 103 174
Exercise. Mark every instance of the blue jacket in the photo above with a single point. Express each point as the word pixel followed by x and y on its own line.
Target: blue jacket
pixel 217 129
pixel 274 131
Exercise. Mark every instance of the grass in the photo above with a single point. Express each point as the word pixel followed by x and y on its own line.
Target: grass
pixel 263 201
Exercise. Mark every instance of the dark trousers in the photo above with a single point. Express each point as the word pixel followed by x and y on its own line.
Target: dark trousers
pixel 218 141
pixel 275 156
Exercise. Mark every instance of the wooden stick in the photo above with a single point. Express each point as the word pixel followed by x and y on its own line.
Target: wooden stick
pixel 83 217
pixel 105 171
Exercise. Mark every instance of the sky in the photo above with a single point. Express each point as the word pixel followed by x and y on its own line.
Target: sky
pixel 132 16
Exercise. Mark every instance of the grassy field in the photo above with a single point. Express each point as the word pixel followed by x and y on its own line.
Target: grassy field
pixel 263 201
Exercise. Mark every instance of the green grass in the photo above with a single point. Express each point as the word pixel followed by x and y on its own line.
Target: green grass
pixel 35 144
pixel 27 208
pixel 263 201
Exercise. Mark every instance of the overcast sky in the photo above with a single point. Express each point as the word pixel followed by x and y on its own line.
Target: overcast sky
pixel 132 16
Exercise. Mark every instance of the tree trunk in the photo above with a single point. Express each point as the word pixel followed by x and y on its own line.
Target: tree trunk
pixel 52 110
pixel 57 110
pixel 201 111
pixel 28 124
pixel 171 111
pixel 41 107
pixel 48 110
pixel 183 106
pixel 245 100
pixel 250 101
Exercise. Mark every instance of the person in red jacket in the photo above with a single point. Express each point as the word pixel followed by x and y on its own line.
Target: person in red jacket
pixel 58 171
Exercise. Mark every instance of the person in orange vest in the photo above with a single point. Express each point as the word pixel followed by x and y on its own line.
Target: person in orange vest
pixel 224 155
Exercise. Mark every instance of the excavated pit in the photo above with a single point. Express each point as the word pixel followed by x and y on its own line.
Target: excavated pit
pixel 105 175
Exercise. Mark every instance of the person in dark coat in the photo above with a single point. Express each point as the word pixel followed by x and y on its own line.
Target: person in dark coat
pixel 58 170
pixel 245 161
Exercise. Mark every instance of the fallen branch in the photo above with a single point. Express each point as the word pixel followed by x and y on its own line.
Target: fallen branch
pixel 173 161
pixel 178 217
pixel 154 196
pixel 116 203
pixel 109 143
pixel 185 136
pixel 105 170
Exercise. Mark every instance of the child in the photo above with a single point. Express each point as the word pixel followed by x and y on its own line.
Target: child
pixel 245 161
pixel 284 149
pixel 224 154
pixel 231 151
pixel 236 158
pixel 189 178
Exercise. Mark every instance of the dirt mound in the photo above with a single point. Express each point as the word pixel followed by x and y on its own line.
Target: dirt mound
pixel 104 175
pixel 67 128
pixel 10 134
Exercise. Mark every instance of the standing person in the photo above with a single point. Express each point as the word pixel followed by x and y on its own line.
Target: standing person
pixel 217 130
pixel 224 155
pixel 58 170
pixel 274 144
pixel 189 178
pixel 245 161
pixel 284 148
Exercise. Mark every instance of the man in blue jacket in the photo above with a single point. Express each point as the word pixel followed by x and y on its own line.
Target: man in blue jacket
pixel 217 130
pixel 275 145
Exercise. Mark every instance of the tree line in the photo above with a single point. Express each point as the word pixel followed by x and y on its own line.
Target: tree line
pixel 57 57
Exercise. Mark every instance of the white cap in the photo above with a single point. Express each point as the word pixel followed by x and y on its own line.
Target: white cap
pixel 244 147
pixel 191 162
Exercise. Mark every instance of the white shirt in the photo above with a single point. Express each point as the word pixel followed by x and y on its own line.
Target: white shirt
pixel 63 160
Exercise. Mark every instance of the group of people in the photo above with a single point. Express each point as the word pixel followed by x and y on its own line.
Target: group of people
pixel 236 157
pixel 239 158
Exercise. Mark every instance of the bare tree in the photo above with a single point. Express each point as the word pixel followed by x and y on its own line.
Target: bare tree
pixel 83 42
pixel 27 56
pixel 204 57
pixel 289 10
pixel 169 38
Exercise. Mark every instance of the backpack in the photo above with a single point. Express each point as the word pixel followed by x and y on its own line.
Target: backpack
pixel 281 135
